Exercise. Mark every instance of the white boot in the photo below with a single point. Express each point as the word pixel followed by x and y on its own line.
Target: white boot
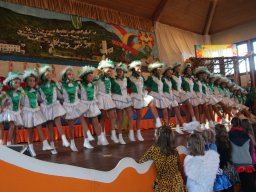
pixel 201 128
pixel 158 122
pixel 87 144
pixel 65 142
pixel 46 146
pixel 120 138
pixel 54 151
pixel 31 148
pixel 224 121
pixel 73 145
pixel 89 135
pixel 188 127
pixel 178 130
pixel 131 135
pixel 139 136
pixel 211 124
pixel 102 140
pixel 113 136
pixel 8 143
pixel 1 142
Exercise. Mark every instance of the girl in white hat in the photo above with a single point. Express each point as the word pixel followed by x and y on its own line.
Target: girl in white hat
pixel 105 101
pixel 50 106
pixel 140 98
pixel 88 98
pixel 31 113
pixel 75 109
pixel 12 99
pixel 122 101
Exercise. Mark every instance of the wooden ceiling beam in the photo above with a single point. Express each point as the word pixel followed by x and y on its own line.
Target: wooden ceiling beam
pixel 210 15
pixel 157 13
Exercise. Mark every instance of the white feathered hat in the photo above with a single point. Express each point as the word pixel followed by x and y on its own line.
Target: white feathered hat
pixel 30 72
pixel 155 65
pixel 42 70
pixel 85 70
pixel 122 66
pixel 134 64
pixel 11 76
pixel 63 72
pixel 106 64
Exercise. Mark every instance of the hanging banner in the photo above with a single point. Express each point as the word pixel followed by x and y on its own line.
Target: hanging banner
pixel 32 32
pixel 210 51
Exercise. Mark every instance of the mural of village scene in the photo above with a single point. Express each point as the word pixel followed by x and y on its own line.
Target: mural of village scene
pixel 63 36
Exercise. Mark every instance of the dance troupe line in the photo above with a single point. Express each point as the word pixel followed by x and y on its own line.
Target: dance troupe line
pixel 108 92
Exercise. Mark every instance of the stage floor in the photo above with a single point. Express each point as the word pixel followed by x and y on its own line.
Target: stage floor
pixel 102 158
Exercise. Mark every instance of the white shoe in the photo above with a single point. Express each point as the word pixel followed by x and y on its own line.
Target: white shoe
pixel 113 136
pixel 224 121
pixel 201 128
pixel 158 122
pixel 87 144
pixel 65 142
pixel 139 136
pixel 8 143
pixel 102 140
pixel 120 138
pixel 89 135
pixel 1 142
pixel 46 146
pixel 31 148
pixel 178 130
pixel 131 135
pixel 211 124
pixel 54 151
pixel 73 145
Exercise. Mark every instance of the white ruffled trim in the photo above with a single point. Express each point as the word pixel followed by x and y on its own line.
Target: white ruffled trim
pixel 14 116
pixel 32 117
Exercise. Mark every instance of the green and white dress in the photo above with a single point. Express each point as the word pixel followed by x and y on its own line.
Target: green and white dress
pixel 178 92
pixel 200 97
pixel 12 111
pixel 227 97
pixel 50 106
pixel 103 87
pixel 167 89
pixel 156 90
pixel 239 101
pixel 31 112
pixel 139 96
pixel 2 95
pixel 213 99
pixel 218 92
pixel 88 98
pixel 120 95
pixel 188 85
pixel 72 104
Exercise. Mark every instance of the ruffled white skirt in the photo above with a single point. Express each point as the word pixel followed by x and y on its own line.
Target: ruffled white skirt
pixel 213 100
pixel 105 101
pixel 74 110
pixel 160 101
pixel 92 109
pixel 53 110
pixel 122 102
pixel 14 116
pixel 171 100
pixel 32 117
pixel 141 103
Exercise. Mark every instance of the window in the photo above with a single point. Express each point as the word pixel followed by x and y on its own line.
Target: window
pixel 242 50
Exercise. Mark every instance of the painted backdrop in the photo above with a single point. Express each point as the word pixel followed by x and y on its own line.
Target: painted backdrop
pixel 32 32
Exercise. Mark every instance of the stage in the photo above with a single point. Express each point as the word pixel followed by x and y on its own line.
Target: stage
pixel 102 158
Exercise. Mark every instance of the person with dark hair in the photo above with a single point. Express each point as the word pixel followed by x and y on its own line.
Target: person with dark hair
pixel 167 162
pixel 224 149
pixel 201 167
pixel 241 155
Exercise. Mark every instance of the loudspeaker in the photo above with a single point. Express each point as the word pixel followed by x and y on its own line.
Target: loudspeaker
pixel 24 149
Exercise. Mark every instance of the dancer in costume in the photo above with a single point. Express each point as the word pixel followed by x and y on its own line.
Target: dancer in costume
pixel 180 95
pixel 31 114
pixel 140 98
pixel 105 101
pixel 88 98
pixel 173 104
pixel 50 106
pixel 122 101
pixel 201 92
pixel 75 109
pixel 11 99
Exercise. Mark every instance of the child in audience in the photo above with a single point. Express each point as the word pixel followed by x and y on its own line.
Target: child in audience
pixel 167 162
pixel 241 155
pixel 200 166
pixel 209 138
